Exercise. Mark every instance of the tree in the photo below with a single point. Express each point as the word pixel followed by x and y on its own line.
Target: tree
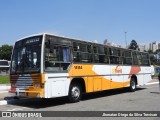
pixel 105 41
pixel 133 45
pixel 5 52
pixel 157 51
pixel 153 59
pixel 150 51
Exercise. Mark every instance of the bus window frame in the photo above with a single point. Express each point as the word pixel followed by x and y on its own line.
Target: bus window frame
pixel 121 56
pixel 60 62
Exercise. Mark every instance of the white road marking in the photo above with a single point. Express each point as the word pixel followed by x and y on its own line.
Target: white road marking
pixel 152 87
pixel 152 83
pixel 3 102
pixel 3 91
pixel 16 109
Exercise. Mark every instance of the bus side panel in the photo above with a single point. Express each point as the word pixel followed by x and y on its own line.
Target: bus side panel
pixel 85 71
pixel 145 75
pixel 140 79
pixel 126 70
pixel 98 77
pixel 116 76
pixel 56 85
pixel 147 78
pixel 89 85
pixel 111 76
pixel 103 80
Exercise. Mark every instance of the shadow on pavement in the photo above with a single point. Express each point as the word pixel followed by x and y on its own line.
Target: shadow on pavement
pixel 107 93
pixel 38 103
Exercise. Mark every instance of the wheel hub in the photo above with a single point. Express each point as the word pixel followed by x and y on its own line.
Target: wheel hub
pixel 133 85
pixel 75 92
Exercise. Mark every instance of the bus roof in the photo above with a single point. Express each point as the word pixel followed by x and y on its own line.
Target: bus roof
pixel 75 39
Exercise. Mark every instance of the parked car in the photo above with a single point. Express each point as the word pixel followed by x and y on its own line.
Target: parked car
pixel 4 67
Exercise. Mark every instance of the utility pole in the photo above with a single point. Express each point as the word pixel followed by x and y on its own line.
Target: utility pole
pixel 125 38
pixel 159 80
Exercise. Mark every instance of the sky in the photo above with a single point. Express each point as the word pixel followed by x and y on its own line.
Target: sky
pixel 82 19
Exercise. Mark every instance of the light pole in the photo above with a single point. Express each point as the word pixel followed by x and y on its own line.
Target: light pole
pixel 125 38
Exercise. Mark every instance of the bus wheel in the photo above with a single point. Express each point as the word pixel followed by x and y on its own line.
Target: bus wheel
pixel 132 85
pixel 75 93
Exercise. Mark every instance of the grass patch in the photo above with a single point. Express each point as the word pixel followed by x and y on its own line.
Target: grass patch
pixel 4 79
pixel 156 74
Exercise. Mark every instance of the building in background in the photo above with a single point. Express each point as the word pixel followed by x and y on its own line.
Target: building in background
pixel 158 57
pixel 143 48
pixel 158 45
pixel 154 46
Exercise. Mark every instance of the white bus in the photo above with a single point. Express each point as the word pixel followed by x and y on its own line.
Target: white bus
pixel 4 67
pixel 49 66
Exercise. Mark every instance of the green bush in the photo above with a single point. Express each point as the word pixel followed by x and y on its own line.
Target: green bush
pixel 4 79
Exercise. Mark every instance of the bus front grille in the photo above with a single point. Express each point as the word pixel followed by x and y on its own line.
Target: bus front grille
pixel 23 82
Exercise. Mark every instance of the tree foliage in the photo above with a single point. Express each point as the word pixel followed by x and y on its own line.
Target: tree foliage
pixel 5 52
pixel 153 59
pixel 150 51
pixel 157 51
pixel 133 45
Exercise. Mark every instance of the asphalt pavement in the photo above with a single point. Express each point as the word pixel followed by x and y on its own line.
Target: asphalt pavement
pixel 146 98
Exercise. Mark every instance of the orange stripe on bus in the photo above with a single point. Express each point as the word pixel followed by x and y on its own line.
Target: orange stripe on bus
pixel 95 83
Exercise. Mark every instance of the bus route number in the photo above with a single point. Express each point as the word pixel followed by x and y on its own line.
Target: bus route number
pixel 78 67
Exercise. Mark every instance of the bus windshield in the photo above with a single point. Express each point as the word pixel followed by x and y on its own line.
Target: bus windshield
pixel 26 59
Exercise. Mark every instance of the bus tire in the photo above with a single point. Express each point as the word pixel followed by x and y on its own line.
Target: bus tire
pixel 75 93
pixel 132 85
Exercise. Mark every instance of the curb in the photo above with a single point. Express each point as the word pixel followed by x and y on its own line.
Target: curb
pixel 4 91
pixel 3 102
pixel 20 100
pixel 152 83
pixel 5 86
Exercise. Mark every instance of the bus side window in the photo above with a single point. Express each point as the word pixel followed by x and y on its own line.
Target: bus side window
pixel 95 49
pixel 127 60
pixel 101 52
pixel 85 53
pixel 76 54
pixel 89 48
pixel 57 57
pixel 75 46
pixel 145 59
pixel 106 60
pixel 139 56
pixel 66 54
pixel 95 54
pixel 82 52
pixel 135 59
pixel 76 57
pixel 115 56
